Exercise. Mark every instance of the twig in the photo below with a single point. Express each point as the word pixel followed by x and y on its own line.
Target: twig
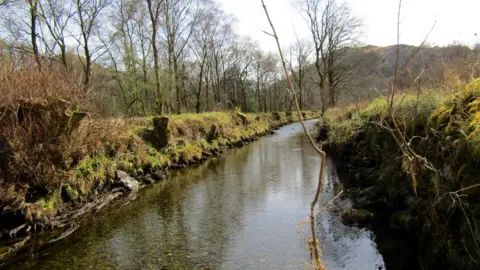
pixel 330 203
pixel 314 244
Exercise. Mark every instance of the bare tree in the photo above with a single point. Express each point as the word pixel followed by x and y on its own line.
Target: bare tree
pixel 154 9
pixel 153 56
pixel 124 52
pixel 33 6
pixel 264 66
pixel 87 17
pixel 220 45
pixel 334 29
pixel 300 60
pixel 178 19
pixel 202 45
pixel 21 24
pixel 56 16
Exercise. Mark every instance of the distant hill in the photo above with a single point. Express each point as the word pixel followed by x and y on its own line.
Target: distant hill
pixel 426 56
pixel 435 62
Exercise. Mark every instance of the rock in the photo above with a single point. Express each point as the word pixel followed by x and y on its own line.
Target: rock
pixel 127 182
pixel 239 144
pixel 159 175
pixel 69 194
pixel 213 133
pixel 161 130
pixel 242 117
pixel 276 116
pixel 370 197
pixel 148 179
pixel 356 217
pixel 322 133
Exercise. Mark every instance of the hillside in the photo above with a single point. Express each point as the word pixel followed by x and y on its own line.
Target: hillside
pixel 378 68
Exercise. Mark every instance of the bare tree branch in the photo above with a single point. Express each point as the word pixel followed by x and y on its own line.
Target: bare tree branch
pixel 318 264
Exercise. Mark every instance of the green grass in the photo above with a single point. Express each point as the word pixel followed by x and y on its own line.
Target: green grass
pixel 450 121
pixel 410 110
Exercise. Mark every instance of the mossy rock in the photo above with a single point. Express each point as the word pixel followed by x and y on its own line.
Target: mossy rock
pixel 356 217
pixel 276 116
pixel 243 117
pixel 161 130
pixel 69 194
pixel 213 133
pixel 148 179
pixel 322 132
pixel 159 175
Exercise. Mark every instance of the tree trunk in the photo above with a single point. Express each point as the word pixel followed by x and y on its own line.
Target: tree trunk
pixel 156 66
pixel 33 31
pixel 331 97
pixel 199 91
pixel 207 83
pixel 177 84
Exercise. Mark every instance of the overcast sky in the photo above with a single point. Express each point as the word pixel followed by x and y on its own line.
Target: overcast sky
pixel 456 20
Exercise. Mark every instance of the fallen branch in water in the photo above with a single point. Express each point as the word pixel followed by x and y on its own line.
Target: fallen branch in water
pixel 313 243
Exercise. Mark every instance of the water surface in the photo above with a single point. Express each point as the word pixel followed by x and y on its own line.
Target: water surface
pixel 236 211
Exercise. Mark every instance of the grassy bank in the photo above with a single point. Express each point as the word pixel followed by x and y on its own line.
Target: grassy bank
pixel 443 216
pixel 60 159
pixel 56 159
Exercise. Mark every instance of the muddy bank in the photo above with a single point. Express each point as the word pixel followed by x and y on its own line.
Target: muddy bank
pixel 437 211
pixel 95 165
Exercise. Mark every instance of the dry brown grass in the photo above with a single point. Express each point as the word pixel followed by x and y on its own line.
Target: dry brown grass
pixel 41 133
pixel 340 111
pixel 50 140
pixel 25 81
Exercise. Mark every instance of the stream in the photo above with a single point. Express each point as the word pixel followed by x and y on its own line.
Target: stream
pixel 239 210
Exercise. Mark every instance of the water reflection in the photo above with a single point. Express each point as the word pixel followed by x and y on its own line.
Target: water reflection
pixel 237 211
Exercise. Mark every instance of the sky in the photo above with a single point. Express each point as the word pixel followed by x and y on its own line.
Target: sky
pixel 454 21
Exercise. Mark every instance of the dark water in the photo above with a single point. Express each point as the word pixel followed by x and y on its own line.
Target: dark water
pixel 237 211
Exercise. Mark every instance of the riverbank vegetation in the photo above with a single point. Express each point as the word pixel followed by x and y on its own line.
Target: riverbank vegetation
pixel 99 98
pixel 435 206
pixel 412 157
pixel 56 153
pixel 93 93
